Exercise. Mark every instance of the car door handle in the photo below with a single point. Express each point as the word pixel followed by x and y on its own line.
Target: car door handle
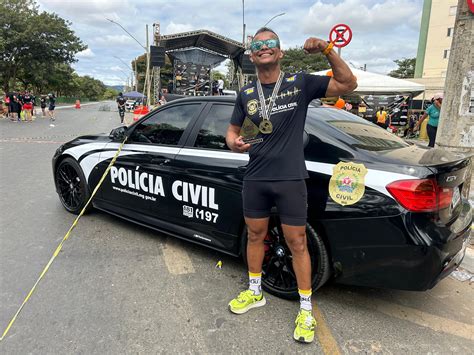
pixel 160 161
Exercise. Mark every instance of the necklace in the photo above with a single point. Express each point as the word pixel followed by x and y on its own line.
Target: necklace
pixel 266 126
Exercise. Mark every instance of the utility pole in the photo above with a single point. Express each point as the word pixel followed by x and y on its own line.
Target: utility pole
pixel 147 80
pixel 456 126
pixel 156 70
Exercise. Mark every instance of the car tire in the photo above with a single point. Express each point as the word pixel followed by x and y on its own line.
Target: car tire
pixel 72 186
pixel 278 276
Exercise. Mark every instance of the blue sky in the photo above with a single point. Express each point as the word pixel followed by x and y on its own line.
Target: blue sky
pixel 383 30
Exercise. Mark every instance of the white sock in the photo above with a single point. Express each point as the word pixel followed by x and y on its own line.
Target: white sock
pixel 305 300
pixel 255 283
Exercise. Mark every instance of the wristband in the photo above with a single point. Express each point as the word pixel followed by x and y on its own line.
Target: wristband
pixel 328 48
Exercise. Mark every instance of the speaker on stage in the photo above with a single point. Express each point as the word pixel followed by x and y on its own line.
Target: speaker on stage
pixel 157 56
pixel 247 66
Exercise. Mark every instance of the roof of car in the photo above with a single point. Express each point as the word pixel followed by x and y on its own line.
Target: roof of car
pixel 225 98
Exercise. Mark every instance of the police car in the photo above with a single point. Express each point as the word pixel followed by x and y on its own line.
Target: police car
pixel 381 212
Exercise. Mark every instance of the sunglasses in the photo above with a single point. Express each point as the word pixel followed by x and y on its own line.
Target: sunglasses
pixel 255 46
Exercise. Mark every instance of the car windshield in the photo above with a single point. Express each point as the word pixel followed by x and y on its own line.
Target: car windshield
pixel 365 135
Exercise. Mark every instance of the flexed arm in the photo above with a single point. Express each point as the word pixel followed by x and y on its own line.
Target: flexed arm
pixel 343 81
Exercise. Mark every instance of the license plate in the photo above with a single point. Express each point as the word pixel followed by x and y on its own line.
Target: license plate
pixel 456 197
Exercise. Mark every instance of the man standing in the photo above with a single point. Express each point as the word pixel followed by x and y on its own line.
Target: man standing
pixel 277 105
pixel 52 106
pixel 121 106
pixel 220 86
pixel 382 117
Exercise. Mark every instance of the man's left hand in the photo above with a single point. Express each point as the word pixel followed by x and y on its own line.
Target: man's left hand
pixel 314 45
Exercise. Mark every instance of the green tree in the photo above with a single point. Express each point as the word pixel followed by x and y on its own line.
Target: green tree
pixel 296 60
pixel 110 94
pixel 406 68
pixel 166 72
pixel 90 88
pixel 30 38
pixel 216 75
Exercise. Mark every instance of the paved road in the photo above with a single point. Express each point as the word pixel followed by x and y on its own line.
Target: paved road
pixel 119 288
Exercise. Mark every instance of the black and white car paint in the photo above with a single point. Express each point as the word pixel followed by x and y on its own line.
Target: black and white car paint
pixel 176 175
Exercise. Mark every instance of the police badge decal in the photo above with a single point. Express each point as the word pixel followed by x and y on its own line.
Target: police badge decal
pixel 347 183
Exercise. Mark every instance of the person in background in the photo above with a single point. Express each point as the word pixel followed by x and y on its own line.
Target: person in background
pixel 43 105
pixel 2 107
pixel 433 113
pixel 11 106
pixel 16 107
pixel 20 105
pixel 220 86
pixel 33 101
pixel 52 106
pixel 382 118
pixel 7 105
pixel 121 106
pixel 28 106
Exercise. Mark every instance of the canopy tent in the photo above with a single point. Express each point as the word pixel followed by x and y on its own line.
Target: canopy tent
pixel 134 95
pixel 378 84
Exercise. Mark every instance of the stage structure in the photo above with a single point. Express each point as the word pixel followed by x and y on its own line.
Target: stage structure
pixel 193 54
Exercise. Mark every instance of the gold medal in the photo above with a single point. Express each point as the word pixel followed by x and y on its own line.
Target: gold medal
pixel 265 127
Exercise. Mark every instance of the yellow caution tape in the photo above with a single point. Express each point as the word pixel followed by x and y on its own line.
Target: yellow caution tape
pixel 60 246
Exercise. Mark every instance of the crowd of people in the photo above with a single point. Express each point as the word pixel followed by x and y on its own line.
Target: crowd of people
pixel 21 106
pixel 383 119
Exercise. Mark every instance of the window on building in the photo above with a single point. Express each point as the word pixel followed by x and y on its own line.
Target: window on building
pixel 446 53
pixel 450 31
pixel 452 10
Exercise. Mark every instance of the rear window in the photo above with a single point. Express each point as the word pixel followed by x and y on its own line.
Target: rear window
pixel 365 135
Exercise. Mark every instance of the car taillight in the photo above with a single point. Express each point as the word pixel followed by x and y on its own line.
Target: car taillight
pixel 421 195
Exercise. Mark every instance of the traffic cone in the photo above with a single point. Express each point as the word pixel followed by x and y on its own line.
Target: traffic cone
pixel 78 103
pixel 139 112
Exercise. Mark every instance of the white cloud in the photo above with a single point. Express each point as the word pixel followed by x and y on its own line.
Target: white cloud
pixel 113 41
pixel 116 68
pixel 384 30
pixel 85 54
pixel 178 27
pixel 362 18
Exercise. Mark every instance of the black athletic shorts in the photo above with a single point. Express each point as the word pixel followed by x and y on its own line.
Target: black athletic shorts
pixel 289 197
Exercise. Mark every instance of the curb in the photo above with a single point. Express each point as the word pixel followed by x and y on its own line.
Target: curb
pixel 73 106
pixel 468 261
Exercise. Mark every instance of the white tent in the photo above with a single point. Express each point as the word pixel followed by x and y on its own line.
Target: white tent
pixel 377 84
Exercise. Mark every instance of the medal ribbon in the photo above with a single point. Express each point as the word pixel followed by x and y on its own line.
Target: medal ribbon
pixel 267 110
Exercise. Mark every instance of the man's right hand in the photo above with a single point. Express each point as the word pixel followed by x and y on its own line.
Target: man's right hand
pixel 239 145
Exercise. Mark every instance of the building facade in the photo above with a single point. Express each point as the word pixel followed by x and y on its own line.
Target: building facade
pixel 436 34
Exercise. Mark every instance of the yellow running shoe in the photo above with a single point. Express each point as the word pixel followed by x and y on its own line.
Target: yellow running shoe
pixel 245 301
pixel 305 324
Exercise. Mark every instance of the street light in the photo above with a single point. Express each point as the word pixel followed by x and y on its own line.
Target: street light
pixel 146 48
pixel 274 17
pixel 123 28
pixel 128 67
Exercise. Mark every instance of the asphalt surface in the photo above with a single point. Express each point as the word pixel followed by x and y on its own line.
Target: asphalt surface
pixel 120 288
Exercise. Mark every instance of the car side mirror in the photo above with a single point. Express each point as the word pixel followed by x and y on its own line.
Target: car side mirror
pixel 118 134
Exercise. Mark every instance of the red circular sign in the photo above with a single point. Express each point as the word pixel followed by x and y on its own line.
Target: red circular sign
pixel 340 35
pixel 470 3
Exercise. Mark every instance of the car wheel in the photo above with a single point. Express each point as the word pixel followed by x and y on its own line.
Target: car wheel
pixel 278 276
pixel 72 186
